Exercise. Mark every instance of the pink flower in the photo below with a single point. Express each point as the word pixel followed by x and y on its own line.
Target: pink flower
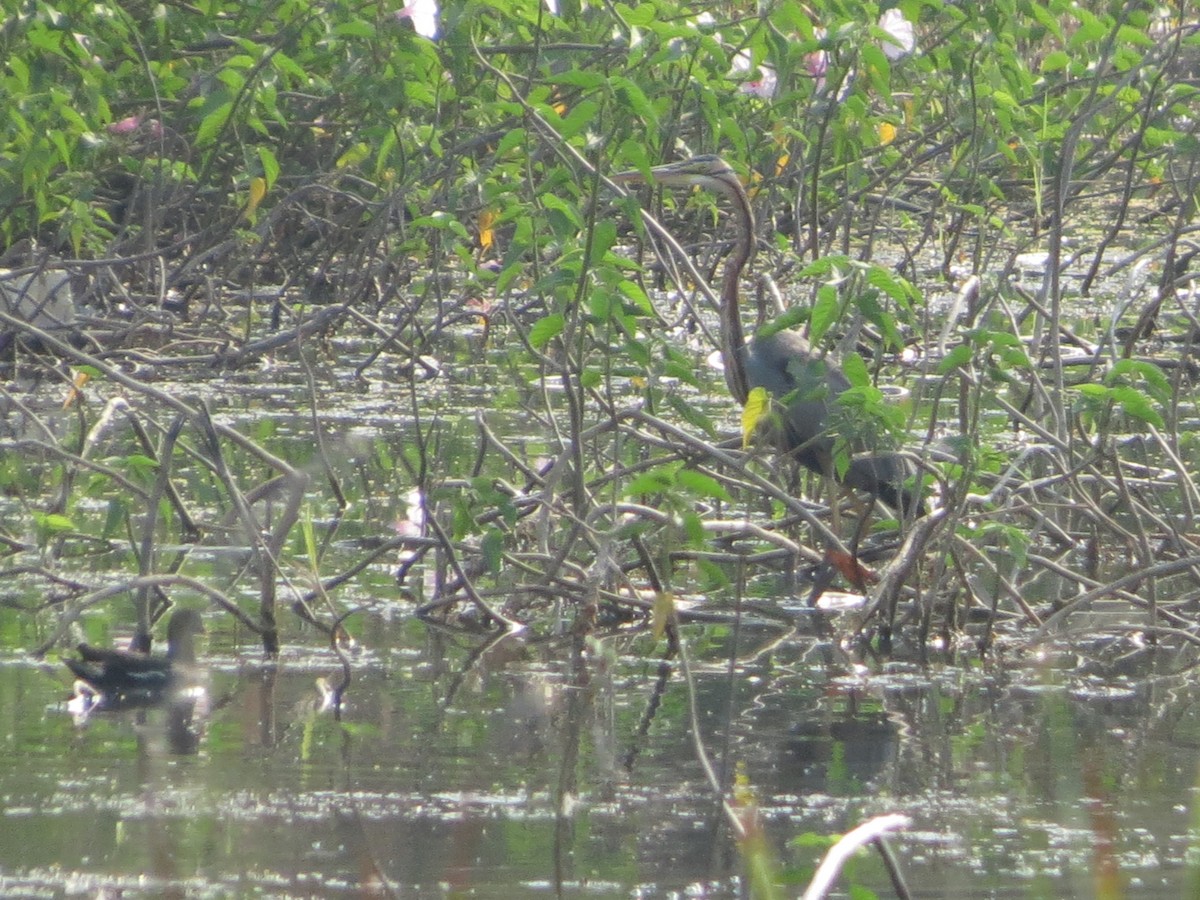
pixel 128 125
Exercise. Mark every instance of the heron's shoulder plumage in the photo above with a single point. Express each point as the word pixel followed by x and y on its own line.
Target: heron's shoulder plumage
pixel 784 361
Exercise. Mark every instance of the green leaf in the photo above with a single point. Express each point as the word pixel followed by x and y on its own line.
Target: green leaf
pixel 492 547
pixel 579 118
pixel 690 414
pixel 655 481
pixel 702 485
pixel 1055 60
pixel 270 165
pixel 957 358
pixel 212 123
pixel 546 329
pixel 790 318
pixel 1137 405
pixel 896 288
pixel 634 98
pixel 855 370
pixel 514 138
pixel 821 268
pixel 1155 378
pixel 824 313
pixel 55 523
pixel 642 14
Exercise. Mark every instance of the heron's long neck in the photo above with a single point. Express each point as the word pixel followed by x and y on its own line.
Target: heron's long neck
pixel 733 338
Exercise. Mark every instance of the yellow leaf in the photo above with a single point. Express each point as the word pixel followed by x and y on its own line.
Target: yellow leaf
pixel 487 218
pixel 75 394
pixel 781 165
pixel 258 190
pixel 664 608
pixel 353 156
pixel 887 133
pixel 758 404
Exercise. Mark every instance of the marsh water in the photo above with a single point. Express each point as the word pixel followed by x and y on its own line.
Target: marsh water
pixel 517 770
pixel 462 765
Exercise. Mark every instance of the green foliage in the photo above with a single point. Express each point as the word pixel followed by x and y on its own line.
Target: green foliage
pixel 237 144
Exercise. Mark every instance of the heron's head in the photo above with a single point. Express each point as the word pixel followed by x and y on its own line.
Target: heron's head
pixel 708 171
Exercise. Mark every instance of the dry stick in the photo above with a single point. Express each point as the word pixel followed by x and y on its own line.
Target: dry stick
pixel 289 473
pixel 145 553
pixel 1160 631
pixel 387 547
pixel 190 529
pixel 710 774
pixel 511 625
pixel 319 431
pixel 268 546
pixel 33 417
pixel 134 585
pixel 774 491
pixel 532 476
pixel 114 374
pixel 1083 581
pixel 1191 495
pixel 1141 539
pixel 1156 244
pixel 1009 589
pixel 1159 570
pixel 29 444
pixel 894 575
pixel 1135 506
pixel 870 831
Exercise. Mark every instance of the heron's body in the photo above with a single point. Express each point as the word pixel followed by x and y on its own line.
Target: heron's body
pixel 784 363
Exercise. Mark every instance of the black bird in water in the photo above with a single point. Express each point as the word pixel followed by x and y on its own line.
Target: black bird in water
pixel 783 362
pixel 122 678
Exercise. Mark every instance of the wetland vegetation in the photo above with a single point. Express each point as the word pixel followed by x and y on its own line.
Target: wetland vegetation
pixel 325 320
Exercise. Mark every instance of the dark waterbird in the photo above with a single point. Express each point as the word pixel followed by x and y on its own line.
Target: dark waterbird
pixel 783 362
pixel 122 678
